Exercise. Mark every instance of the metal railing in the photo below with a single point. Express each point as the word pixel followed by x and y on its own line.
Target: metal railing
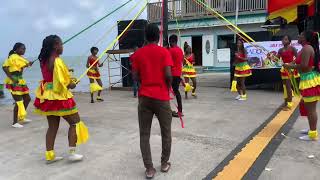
pixel 188 8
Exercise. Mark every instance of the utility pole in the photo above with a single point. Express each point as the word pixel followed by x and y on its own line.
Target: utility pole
pixel 165 23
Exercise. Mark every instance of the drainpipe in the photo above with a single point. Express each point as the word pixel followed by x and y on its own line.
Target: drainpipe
pixel 236 19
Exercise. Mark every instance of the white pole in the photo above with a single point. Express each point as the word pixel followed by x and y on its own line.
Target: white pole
pixel 236 19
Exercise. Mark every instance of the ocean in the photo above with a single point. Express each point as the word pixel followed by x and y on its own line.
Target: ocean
pixel 33 75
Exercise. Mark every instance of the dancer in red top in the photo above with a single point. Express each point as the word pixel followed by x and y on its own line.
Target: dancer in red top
pixel 152 67
pixel 242 71
pixel 189 72
pixel 54 100
pixel 308 65
pixel 94 74
pixel 287 54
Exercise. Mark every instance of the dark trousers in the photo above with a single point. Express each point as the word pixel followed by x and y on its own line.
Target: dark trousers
pixel 147 108
pixel 175 86
pixel 135 87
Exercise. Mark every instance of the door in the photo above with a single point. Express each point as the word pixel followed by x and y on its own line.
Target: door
pixel 207 50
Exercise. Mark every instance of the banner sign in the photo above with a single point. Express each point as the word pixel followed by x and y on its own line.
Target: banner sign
pixel 257 57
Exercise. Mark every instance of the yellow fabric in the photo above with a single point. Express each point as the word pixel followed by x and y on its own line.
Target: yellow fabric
pixel 242 75
pixel 15 63
pixel 311 99
pixel 306 84
pixel 56 113
pixel 9 81
pixel 22 113
pixel 285 92
pixel 50 155
pixel 93 71
pixel 188 87
pixel 289 13
pixel 294 73
pixel 313 134
pixel 94 87
pixel 289 104
pixel 49 94
pixel 234 86
pixel 82 133
pixel 243 68
pixel 61 77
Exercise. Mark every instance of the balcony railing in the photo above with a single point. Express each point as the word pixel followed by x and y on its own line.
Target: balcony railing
pixel 189 8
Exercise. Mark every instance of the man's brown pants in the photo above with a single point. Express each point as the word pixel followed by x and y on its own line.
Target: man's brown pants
pixel 147 108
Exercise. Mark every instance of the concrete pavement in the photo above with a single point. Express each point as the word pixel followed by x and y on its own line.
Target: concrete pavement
pixel 214 125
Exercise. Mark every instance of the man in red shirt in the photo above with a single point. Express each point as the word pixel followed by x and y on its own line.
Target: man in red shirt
pixel 177 57
pixel 152 67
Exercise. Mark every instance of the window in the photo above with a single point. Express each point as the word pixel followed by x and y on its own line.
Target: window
pixel 224 41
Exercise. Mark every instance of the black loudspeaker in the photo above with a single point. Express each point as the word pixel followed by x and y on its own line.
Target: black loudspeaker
pixel 134 36
pixel 302 20
pixel 126 72
pixel 316 17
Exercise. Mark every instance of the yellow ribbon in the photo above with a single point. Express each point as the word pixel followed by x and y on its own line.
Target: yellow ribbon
pixel 82 133
pixel 115 40
pixel 22 113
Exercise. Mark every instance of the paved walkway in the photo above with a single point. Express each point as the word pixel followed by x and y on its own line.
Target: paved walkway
pixel 215 124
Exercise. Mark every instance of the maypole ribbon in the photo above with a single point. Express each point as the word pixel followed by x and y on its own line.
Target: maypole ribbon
pixel 96 22
pixel 265 51
pixel 110 30
pixel 293 80
pixel 91 25
pixel 178 28
pixel 115 40
pixel 226 20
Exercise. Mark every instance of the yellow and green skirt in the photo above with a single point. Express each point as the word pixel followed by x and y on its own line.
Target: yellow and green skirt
pixel 285 74
pixel 242 70
pixel 50 103
pixel 189 71
pixel 19 88
pixel 310 86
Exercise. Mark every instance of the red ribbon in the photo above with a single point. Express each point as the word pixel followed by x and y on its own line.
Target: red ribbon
pixel 179 113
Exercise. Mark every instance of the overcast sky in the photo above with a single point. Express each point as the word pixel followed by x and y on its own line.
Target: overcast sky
pixel 29 21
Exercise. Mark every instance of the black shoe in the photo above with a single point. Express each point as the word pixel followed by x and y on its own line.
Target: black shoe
pixel 175 114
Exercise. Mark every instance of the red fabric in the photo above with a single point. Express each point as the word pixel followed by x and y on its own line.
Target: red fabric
pixel 191 59
pixel 314 91
pixel 286 73
pixel 177 58
pixel 91 60
pixel 17 88
pixel 243 72
pixel 311 9
pixel 287 55
pixel 149 62
pixel 46 73
pixel 274 5
pixel 299 59
pixel 55 105
pixel 241 55
pixel 96 74
pixel 302 108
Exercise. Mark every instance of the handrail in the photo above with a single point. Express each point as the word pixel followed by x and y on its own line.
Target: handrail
pixel 187 8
